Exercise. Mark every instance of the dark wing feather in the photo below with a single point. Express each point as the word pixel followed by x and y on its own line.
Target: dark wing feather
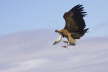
pixel 74 20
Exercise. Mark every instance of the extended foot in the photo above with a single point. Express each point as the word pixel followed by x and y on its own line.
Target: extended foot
pixel 72 44
pixel 55 43
pixel 65 41
pixel 65 46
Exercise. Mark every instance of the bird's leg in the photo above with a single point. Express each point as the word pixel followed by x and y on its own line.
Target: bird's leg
pixel 71 40
pixel 66 46
pixel 59 38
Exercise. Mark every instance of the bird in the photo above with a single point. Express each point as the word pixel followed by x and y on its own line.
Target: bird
pixel 75 26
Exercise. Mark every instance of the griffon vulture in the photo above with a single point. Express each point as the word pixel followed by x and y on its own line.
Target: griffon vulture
pixel 74 25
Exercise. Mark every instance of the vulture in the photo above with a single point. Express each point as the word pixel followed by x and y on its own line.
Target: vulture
pixel 74 27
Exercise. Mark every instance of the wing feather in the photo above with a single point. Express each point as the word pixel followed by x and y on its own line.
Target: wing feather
pixel 74 20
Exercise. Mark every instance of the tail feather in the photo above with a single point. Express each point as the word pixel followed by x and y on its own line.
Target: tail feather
pixel 84 31
pixel 77 35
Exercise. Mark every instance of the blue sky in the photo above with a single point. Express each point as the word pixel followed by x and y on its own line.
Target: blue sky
pixel 24 15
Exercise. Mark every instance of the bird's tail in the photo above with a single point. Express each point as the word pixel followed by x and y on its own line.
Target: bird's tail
pixel 77 35
pixel 84 31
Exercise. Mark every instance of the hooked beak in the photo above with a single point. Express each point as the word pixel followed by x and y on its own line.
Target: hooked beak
pixel 56 30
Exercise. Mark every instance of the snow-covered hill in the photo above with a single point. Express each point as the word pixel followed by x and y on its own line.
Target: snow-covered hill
pixel 33 52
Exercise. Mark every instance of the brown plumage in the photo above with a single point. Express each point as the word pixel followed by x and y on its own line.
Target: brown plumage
pixel 74 24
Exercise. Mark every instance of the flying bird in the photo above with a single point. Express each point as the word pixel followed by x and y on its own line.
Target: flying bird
pixel 74 27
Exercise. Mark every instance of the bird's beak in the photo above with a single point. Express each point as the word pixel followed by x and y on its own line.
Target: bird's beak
pixel 56 30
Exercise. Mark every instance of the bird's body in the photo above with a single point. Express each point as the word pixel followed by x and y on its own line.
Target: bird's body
pixel 74 25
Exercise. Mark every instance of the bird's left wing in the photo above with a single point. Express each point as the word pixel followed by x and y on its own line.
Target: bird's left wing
pixel 70 24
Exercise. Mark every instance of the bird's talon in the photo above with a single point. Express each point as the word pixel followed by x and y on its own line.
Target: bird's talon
pixel 65 41
pixel 72 44
pixel 54 43
pixel 64 46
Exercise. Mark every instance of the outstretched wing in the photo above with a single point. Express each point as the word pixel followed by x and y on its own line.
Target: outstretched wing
pixel 74 20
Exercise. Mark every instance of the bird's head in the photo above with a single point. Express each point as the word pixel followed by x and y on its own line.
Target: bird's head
pixel 59 32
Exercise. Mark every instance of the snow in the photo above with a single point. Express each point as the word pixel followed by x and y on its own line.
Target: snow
pixel 33 52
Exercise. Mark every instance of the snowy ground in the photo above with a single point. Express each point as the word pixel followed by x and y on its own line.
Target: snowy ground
pixel 32 52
